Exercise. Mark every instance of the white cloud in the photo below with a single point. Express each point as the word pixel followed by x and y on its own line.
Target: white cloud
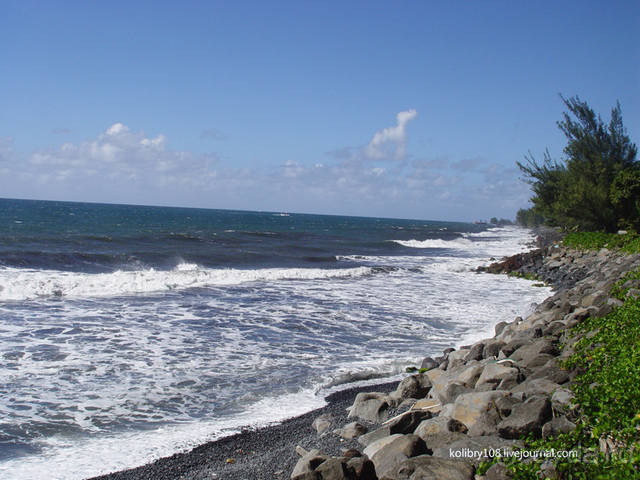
pixel 391 142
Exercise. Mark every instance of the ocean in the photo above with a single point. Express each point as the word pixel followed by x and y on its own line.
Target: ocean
pixel 129 333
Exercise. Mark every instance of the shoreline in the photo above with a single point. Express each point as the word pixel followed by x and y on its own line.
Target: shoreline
pixel 268 452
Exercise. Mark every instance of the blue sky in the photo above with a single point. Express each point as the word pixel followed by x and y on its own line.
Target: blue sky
pixel 411 109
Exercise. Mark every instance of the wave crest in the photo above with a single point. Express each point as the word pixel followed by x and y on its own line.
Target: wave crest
pixel 19 284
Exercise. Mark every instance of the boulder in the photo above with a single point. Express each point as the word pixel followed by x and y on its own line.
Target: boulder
pixel 473 449
pixel 537 386
pixel 494 373
pixel 475 353
pixel 368 438
pixel 492 348
pixel 468 375
pixel 362 468
pixel 335 469
pixel 478 411
pixel 308 462
pixel 322 423
pixel 351 430
pixel 439 424
pixel 527 355
pixel 370 406
pixel 408 421
pixel 387 453
pixel 414 386
pixel 526 418
pixel 498 471
pixel 551 371
pixel 431 405
pixel 425 467
pixel 456 358
pixel 429 363
pixel 556 426
pixel 562 400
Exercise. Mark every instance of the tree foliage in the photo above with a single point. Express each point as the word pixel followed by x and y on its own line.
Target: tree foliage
pixel 596 186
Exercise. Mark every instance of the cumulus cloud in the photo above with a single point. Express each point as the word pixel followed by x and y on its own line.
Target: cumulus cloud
pixel 391 142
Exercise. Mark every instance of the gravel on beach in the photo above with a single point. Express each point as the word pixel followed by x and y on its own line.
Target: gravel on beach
pixel 266 453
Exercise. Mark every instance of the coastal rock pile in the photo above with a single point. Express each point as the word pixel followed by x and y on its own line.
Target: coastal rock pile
pixel 482 399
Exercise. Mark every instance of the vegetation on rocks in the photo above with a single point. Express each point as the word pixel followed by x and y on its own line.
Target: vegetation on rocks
pixel 607 399
pixel 629 243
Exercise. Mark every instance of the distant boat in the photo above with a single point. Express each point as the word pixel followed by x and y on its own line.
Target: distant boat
pixel 480 222
pixel 281 215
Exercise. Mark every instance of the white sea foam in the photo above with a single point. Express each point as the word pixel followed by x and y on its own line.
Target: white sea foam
pixel 22 284
pixel 436 243
pixel 118 361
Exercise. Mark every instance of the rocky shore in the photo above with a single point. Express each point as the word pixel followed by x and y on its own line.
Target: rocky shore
pixel 484 398
pixel 442 422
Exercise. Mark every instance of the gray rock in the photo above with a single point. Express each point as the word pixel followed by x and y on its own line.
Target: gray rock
pixel 562 400
pixel 425 467
pixel 371 406
pixel 556 426
pixel 352 430
pixel 500 327
pixel 526 418
pixel 309 462
pixel 477 410
pixel 551 371
pixel 492 348
pixel 414 386
pixel 527 354
pixel 362 468
pixel 323 423
pixel 368 438
pixel 408 421
pixel 476 352
pixel 387 453
pixel 334 469
pixel 476 444
pixel 456 358
pixel 429 363
pixel 498 471
pixel 494 373
pixel 438 425
pixel 537 386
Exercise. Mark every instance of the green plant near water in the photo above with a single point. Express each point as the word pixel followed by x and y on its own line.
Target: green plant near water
pixel 628 243
pixel 526 276
pixel 607 396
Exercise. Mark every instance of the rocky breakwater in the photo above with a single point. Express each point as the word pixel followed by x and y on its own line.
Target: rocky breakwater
pixel 482 399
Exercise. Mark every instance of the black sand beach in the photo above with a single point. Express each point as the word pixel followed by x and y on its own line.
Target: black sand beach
pixel 262 454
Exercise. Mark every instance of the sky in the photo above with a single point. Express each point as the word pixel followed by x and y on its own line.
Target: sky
pixel 406 109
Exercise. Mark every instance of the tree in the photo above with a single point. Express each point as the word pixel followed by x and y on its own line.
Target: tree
pixel 593 187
